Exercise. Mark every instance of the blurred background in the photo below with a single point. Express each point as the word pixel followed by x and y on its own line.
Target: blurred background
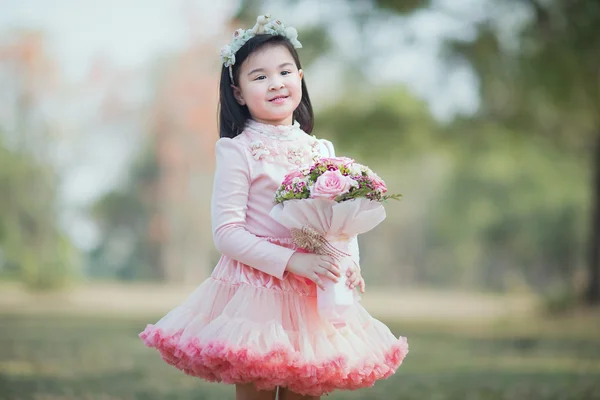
pixel 485 114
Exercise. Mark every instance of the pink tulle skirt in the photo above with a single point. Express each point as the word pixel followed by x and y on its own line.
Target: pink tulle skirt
pixel 242 325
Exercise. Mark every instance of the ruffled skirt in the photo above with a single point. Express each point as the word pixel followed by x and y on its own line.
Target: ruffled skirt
pixel 242 325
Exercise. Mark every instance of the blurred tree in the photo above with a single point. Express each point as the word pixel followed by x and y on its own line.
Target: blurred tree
pixel 511 211
pixel 32 243
pixel 184 131
pixel 157 225
pixel 33 248
pixel 538 64
pixel 386 124
pixel 546 83
pixel 130 243
pixel 509 207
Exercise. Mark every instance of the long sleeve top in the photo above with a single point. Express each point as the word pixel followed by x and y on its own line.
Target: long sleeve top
pixel 249 169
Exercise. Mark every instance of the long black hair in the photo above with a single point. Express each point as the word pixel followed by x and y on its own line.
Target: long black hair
pixel 232 115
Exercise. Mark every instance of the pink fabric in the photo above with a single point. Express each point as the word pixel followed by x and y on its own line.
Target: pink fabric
pixel 249 169
pixel 338 222
pixel 251 321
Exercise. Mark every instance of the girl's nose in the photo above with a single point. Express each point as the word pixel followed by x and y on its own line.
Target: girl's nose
pixel 276 85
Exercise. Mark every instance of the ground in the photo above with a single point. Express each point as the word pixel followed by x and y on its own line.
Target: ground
pixel 84 345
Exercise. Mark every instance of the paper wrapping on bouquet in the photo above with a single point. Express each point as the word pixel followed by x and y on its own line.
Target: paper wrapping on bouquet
pixel 327 227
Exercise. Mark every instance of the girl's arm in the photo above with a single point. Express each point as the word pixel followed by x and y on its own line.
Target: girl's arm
pixel 228 209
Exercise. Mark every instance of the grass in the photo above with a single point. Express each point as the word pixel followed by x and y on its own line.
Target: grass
pixel 60 357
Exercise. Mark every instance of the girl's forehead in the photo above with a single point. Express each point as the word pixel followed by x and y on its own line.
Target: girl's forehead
pixel 269 57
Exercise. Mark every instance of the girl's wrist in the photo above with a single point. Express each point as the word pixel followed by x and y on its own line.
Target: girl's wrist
pixel 288 266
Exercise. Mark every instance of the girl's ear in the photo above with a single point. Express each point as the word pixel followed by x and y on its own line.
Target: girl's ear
pixel 237 93
pixel 301 73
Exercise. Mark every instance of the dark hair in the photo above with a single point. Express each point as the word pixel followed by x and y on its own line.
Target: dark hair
pixel 232 115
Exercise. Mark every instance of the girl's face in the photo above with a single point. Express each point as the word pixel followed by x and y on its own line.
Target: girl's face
pixel 270 85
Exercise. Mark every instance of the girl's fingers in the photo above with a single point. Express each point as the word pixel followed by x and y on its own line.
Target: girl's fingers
pixel 362 285
pixel 330 260
pixel 317 280
pixel 334 269
pixel 352 281
pixel 328 274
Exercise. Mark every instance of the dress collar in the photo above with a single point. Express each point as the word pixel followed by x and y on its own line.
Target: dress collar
pixel 277 132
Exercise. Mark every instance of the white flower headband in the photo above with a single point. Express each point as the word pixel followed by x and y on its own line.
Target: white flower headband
pixel 264 25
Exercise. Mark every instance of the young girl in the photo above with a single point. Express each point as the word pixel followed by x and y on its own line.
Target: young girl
pixel 254 322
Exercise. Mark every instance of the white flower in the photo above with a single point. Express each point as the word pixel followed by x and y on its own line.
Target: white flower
pixel 261 22
pixel 227 56
pixel 263 26
pixel 292 35
pixel 355 169
pixel 270 30
pixel 238 33
pixel 248 34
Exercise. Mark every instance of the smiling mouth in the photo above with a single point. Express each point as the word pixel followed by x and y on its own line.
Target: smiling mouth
pixel 279 97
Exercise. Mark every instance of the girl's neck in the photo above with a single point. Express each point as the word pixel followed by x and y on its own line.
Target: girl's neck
pixel 282 132
pixel 289 120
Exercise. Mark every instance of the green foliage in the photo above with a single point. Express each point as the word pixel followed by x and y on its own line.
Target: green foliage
pixel 403 6
pixel 381 125
pixel 547 85
pixel 543 84
pixel 315 43
pixel 34 250
pixel 513 212
pixel 538 79
pixel 127 250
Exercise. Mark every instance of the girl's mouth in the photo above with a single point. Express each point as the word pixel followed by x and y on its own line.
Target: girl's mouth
pixel 278 99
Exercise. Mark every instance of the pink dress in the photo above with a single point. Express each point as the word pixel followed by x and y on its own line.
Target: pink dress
pixel 251 321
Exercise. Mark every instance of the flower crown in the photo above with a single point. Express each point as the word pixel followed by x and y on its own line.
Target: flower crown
pixel 263 26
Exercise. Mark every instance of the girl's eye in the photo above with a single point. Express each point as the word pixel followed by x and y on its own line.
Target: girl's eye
pixel 260 77
pixel 285 72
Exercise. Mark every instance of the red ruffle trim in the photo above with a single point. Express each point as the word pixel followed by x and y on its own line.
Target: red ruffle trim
pixel 219 362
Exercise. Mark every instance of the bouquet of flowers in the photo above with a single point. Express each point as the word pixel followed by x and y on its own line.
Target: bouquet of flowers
pixel 325 205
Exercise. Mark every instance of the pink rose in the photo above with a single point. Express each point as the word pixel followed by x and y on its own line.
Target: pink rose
pixel 330 185
pixel 378 183
pixel 289 178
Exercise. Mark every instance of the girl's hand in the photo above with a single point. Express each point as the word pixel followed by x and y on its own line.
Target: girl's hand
pixel 314 267
pixel 354 278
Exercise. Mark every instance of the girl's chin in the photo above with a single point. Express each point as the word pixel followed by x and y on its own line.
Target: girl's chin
pixel 276 116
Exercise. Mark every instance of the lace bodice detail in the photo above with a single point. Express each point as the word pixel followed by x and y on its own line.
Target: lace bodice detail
pixel 275 132
pixel 282 144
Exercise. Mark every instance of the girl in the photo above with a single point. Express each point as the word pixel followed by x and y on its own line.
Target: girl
pixel 254 322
